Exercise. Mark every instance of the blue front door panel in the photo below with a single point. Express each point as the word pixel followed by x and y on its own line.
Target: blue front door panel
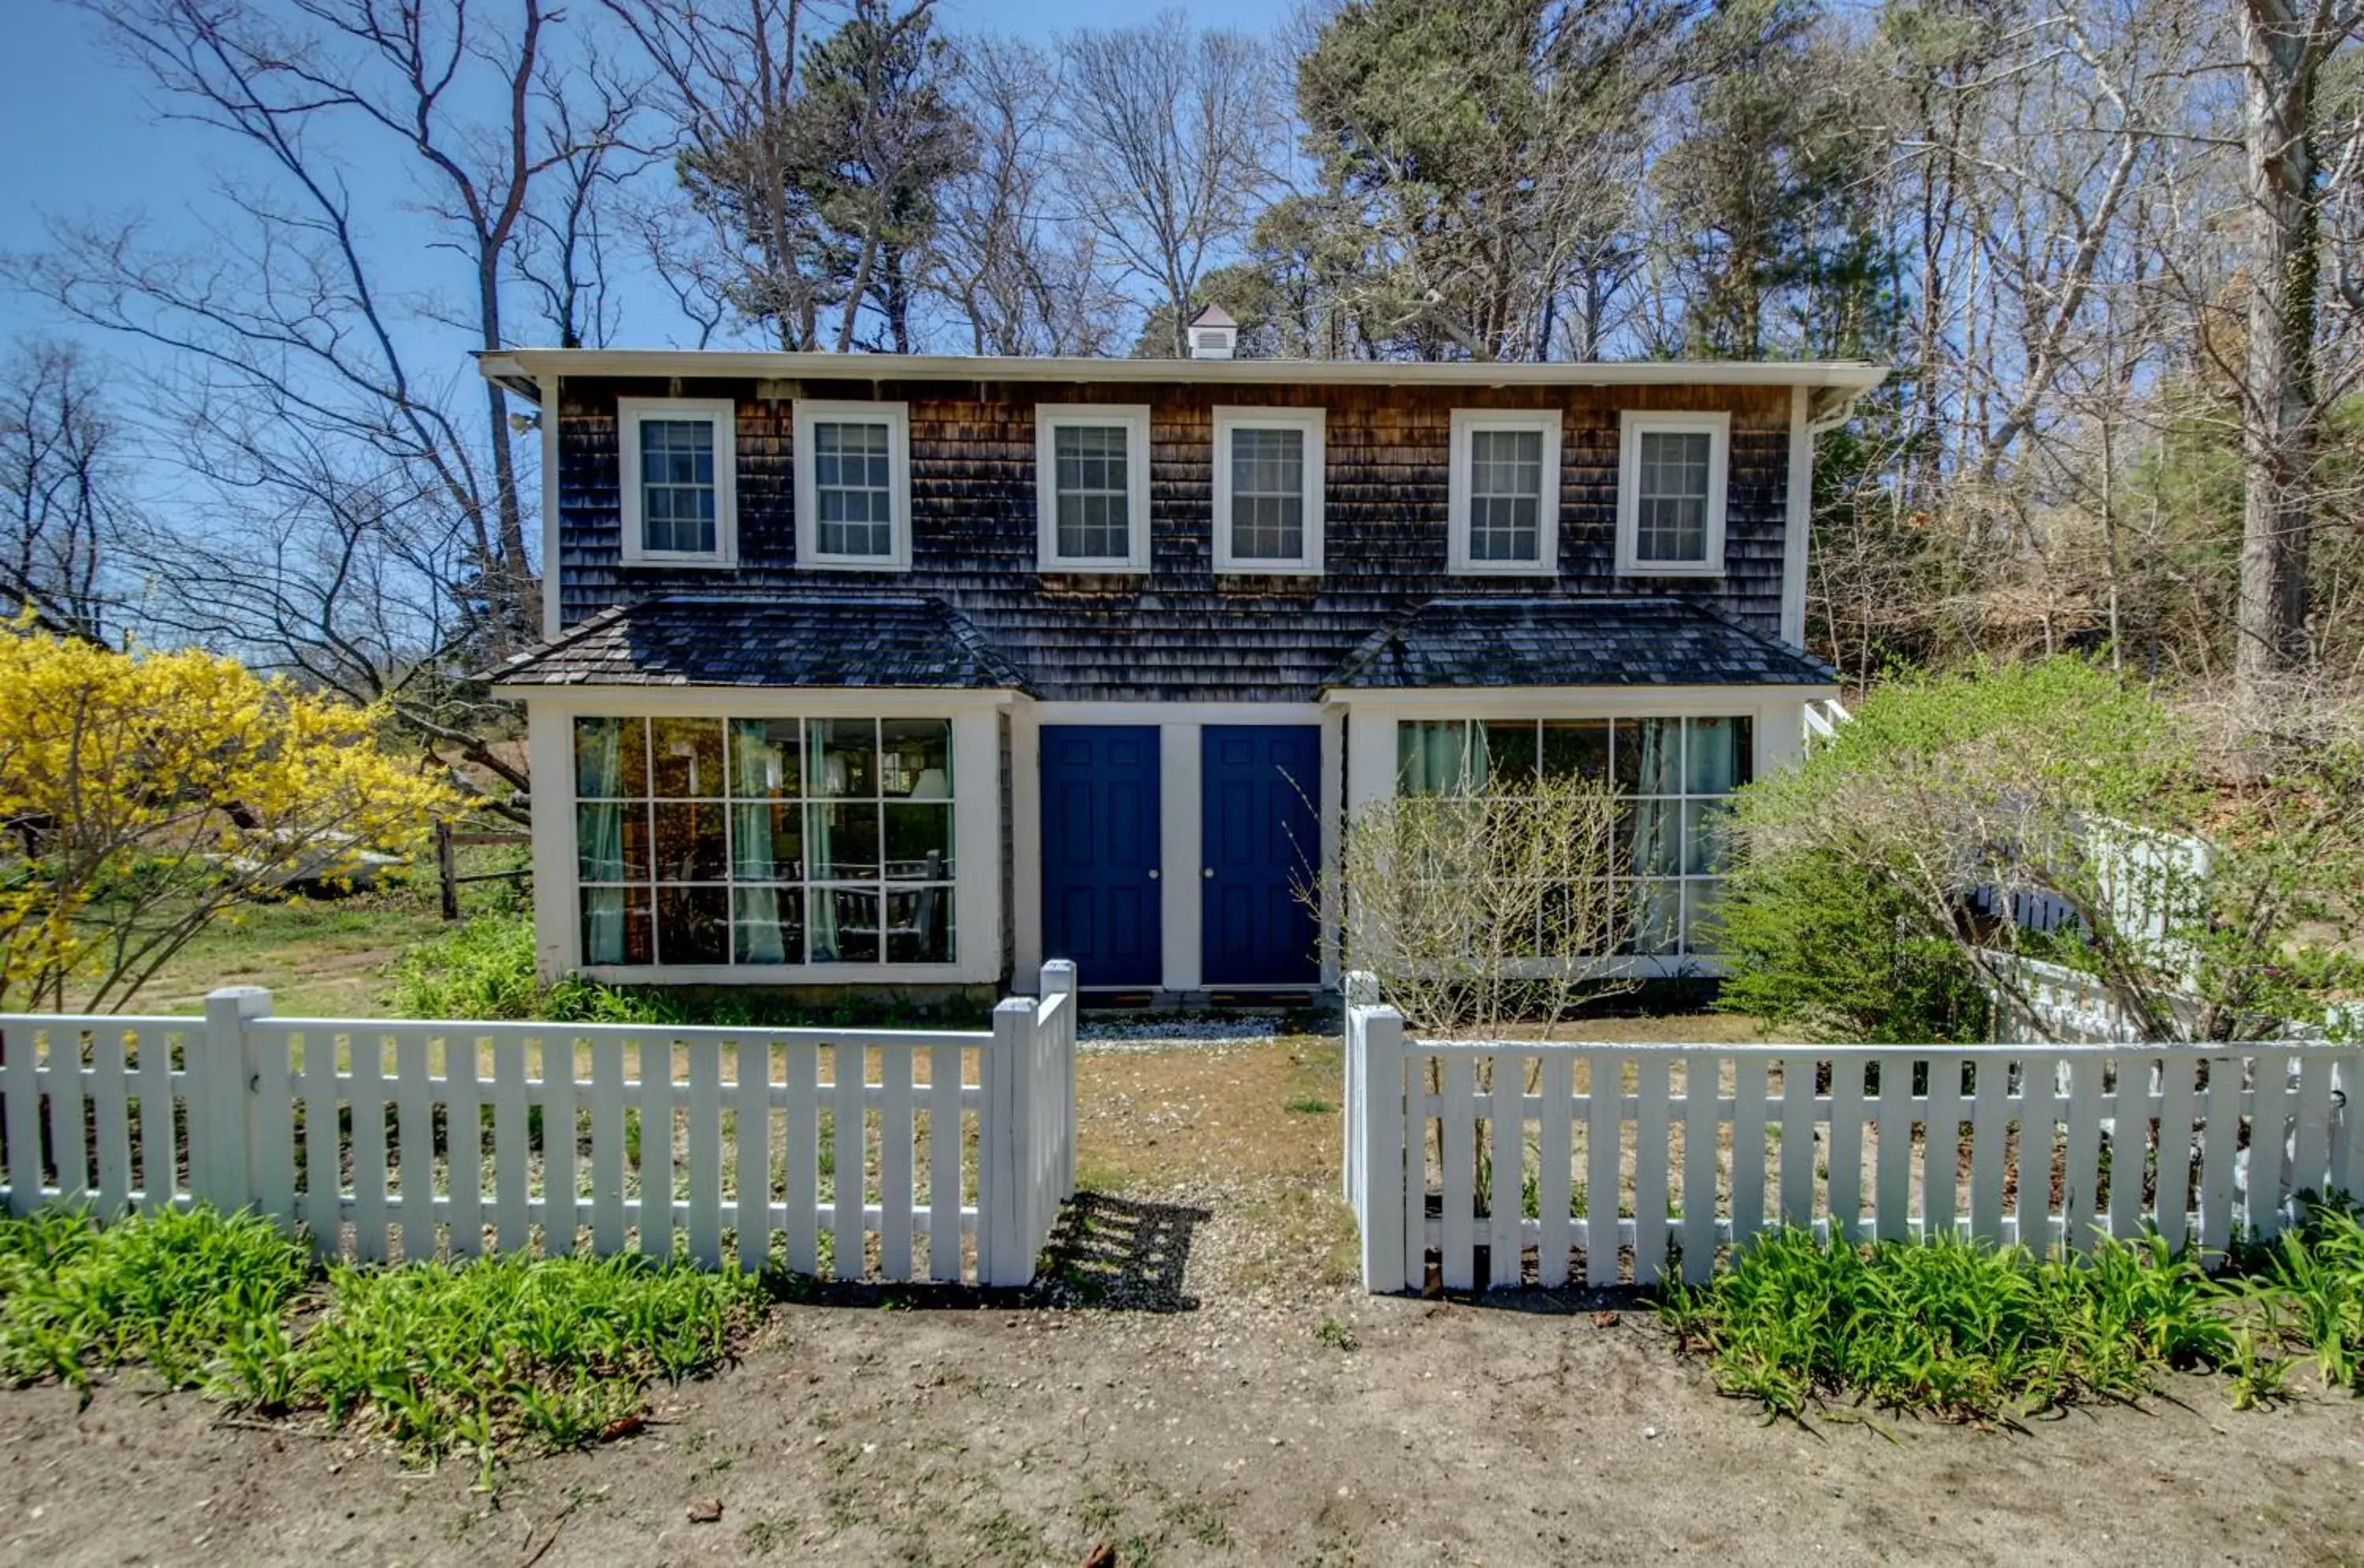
pixel 1100 889
pixel 1263 841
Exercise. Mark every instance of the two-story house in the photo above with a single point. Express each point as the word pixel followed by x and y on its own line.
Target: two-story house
pixel 917 670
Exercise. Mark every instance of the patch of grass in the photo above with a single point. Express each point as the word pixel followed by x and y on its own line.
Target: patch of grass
pixel 554 1350
pixel 1334 1333
pixel 173 1293
pixel 1952 1328
pixel 478 1359
pixel 1309 1107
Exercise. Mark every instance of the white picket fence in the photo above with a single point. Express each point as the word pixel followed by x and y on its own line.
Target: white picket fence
pixel 1648 1159
pixel 384 1139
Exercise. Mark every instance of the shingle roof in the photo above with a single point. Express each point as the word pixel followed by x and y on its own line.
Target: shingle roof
pixel 774 640
pixel 1567 641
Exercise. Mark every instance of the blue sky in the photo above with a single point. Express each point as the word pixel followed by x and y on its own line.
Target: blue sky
pixel 86 143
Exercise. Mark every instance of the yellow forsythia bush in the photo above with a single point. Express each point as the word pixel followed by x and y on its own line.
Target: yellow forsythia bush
pixel 141 793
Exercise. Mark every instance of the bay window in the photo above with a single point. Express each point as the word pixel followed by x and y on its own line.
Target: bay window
pixel 765 841
pixel 1672 777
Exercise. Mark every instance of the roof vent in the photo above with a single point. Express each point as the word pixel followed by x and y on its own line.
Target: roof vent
pixel 1213 333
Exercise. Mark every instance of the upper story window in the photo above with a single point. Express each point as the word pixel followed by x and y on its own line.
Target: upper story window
pixel 1268 493
pixel 853 485
pixel 1670 492
pixel 1092 479
pixel 680 490
pixel 1504 473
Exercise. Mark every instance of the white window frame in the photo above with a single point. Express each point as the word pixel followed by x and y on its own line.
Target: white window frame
pixel 1468 422
pixel 1313 423
pixel 1048 420
pixel 724 415
pixel 896 418
pixel 1633 425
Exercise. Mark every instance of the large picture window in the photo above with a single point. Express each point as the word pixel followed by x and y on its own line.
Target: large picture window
pixel 765 840
pixel 1673 776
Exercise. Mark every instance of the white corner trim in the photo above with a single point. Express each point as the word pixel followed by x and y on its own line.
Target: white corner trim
pixel 1313 423
pixel 1467 422
pixel 553 570
pixel 1633 425
pixel 896 418
pixel 723 413
pixel 1797 527
pixel 1134 418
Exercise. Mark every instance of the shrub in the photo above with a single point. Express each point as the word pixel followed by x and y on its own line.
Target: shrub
pixel 485 969
pixel 1817 948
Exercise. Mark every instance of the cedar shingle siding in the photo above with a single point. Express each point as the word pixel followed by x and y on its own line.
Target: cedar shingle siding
pixel 1179 633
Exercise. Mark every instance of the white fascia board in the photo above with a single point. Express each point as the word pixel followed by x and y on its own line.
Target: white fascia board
pixel 1529 702
pixel 758 702
pixel 1845 375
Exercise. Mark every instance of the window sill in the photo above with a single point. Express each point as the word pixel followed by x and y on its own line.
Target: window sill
pixel 1671 569
pixel 1502 569
pixel 955 974
pixel 677 562
pixel 1269 569
pixel 854 564
pixel 1091 568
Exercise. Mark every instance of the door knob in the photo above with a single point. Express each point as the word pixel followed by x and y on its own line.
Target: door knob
pixel 1207 871
pixel 1153 873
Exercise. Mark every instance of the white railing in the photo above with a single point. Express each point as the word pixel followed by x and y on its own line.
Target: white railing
pixel 872 1152
pixel 1824 719
pixel 1648 1159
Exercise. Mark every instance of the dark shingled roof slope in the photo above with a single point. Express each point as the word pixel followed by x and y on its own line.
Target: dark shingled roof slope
pixel 1572 642
pixel 776 640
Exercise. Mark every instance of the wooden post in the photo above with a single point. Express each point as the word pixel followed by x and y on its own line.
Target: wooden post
pixel 999 1166
pixel 1382 1166
pixel 446 869
pixel 1059 980
pixel 218 1140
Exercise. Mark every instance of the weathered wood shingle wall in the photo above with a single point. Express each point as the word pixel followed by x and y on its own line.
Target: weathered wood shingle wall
pixel 1180 632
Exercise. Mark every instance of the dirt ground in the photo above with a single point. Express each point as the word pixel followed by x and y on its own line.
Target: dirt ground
pixel 1205 1384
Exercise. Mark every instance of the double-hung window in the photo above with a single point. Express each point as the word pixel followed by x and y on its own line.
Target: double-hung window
pixel 1504 492
pixel 1670 490
pixel 679 480
pixel 853 485
pixel 1092 486
pixel 1269 489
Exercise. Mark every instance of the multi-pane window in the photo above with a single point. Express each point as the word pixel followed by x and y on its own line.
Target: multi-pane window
pixel 677 501
pixel 1505 491
pixel 1506 476
pixel 1095 491
pixel 1092 477
pixel 1672 777
pixel 852 484
pixel 1267 494
pixel 677 479
pixel 856 506
pixel 1671 520
pixel 1269 489
pixel 765 840
pixel 1670 494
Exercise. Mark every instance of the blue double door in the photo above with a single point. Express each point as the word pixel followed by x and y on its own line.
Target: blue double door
pixel 1103 876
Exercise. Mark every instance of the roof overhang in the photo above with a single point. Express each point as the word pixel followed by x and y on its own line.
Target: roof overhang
pixel 523 370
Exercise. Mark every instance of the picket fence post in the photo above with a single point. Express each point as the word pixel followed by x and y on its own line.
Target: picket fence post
pixel 221 1136
pixel 1381 1166
pixel 1059 980
pixel 1000 1171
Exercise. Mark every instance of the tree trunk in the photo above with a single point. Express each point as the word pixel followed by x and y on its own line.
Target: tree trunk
pixel 2277 435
